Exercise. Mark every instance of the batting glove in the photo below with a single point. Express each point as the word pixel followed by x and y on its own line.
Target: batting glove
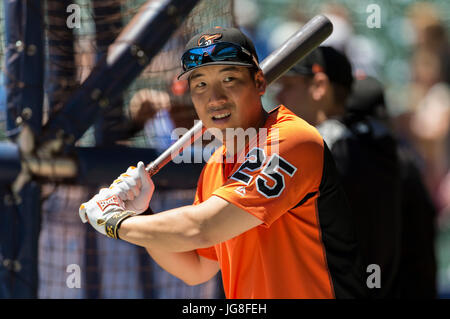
pixel 105 212
pixel 135 188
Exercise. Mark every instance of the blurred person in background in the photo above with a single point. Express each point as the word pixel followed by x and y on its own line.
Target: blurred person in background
pixel 368 160
pixel 427 121
pixel 173 102
pixel 149 111
pixel 159 112
pixel 364 55
pixel 417 278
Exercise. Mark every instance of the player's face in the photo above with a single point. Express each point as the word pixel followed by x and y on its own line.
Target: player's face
pixel 295 94
pixel 227 96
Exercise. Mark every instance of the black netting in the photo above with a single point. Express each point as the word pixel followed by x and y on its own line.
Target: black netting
pixel 152 106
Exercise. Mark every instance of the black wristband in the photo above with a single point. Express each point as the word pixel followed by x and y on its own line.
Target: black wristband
pixel 113 223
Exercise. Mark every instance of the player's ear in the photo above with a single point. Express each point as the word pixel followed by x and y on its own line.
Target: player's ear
pixel 320 85
pixel 260 82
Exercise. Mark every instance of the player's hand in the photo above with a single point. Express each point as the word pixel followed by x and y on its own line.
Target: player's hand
pixel 105 211
pixel 135 188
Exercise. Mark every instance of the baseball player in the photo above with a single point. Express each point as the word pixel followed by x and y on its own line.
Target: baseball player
pixel 270 215
pixel 385 192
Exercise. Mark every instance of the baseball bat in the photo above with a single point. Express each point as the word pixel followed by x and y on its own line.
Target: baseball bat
pixel 309 37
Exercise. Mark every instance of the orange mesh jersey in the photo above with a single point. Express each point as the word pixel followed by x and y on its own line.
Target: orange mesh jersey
pixel 305 247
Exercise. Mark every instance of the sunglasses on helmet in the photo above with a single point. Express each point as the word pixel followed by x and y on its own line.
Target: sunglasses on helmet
pixel 217 52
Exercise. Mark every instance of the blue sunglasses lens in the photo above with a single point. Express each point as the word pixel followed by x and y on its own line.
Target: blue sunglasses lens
pixel 216 52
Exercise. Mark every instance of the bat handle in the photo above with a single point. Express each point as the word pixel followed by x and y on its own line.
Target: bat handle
pixel 186 140
pixel 152 168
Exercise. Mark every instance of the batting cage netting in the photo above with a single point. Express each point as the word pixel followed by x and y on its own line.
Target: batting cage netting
pixel 70 38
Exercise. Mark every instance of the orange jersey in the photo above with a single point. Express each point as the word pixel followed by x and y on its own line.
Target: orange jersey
pixel 305 247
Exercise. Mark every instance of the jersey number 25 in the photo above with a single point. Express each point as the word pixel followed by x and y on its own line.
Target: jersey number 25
pixel 254 160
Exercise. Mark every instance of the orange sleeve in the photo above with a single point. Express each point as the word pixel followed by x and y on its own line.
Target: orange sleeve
pixel 198 191
pixel 196 198
pixel 291 167
pixel 209 253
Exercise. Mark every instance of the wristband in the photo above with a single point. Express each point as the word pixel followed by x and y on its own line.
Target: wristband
pixel 113 223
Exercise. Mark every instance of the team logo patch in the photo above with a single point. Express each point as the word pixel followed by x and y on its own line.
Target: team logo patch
pixel 208 39
pixel 240 190
pixel 104 203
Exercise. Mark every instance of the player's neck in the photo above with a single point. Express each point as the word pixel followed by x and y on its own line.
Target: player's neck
pixel 236 142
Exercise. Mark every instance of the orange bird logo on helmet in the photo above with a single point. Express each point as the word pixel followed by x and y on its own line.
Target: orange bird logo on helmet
pixel 208 39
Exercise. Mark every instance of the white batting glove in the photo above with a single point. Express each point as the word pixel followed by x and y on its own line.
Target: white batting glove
pixel 105 211
pixel 135 188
